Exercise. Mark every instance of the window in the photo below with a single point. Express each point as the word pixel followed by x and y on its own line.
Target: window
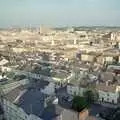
pixel 74 93
pixel 113 101
pixel 102 99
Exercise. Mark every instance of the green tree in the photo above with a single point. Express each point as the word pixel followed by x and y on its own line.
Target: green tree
pixel 90 96
pixel 79 103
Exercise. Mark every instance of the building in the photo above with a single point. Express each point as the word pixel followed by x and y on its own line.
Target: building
pixel 77 87
pixel 13 112
pixel 89 57
pixel 115 36
pixel 50 89
pixel 108 93
pixel 73 89
pixel 25 102
pixel 110 56
pixel 56 112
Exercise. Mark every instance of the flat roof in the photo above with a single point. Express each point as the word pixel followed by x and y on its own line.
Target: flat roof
pixel 12 95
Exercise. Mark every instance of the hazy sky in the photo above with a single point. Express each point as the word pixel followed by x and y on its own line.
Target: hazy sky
pixel 59 12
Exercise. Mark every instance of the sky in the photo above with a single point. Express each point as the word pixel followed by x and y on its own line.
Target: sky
pixel 59 13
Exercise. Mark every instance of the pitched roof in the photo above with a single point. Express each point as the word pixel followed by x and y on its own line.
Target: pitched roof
pixel 106 88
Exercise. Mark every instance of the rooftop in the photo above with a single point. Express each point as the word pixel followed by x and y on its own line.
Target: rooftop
pixel 30 99
pixel 111 52
pixel 12 95
pixel 106 88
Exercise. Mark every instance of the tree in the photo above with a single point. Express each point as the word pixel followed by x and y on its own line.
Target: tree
pixel 90 96
pixel 79 103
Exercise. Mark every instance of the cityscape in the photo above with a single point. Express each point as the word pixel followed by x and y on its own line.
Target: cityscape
pixel 69 72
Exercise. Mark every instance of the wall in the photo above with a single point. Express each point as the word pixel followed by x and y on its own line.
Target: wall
pixel 83 115
pixel 8 87
pixel 72 90
pixel 50 89
pixel 85 57
pixel 13 112
pixel 108 59
pixel 108 96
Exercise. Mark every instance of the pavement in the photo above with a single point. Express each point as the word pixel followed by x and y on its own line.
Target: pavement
pixel 110 105
pixel 96 109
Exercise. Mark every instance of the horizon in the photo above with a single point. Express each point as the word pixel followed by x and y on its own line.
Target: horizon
pixel 55 27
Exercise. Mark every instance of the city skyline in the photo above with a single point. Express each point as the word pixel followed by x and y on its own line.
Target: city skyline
pixel 59 13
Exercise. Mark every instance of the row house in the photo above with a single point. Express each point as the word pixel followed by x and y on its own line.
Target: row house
pixel 89 57
pixel 111 56
pixel 108 93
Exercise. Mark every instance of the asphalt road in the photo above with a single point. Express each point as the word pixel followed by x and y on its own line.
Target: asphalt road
pixel 96 109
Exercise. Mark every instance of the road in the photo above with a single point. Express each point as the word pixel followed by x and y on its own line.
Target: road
pixel 97 108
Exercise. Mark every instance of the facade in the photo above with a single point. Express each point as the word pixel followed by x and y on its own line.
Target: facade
pixel 90 56
pixel 72 115
pixel 110 97
pixel 13 112
pixel 9 87
pixel 115 36
pixel 75 90
pixel 111 55
pixel 50 89
pixel 87 57
pixel 107 59
pixel 108 93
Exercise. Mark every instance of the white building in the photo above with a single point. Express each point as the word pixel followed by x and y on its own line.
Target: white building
pixel 111 55
pixel 108 59
pixel 108 93
pixel 75 90
pixel 115 36
pixel 50 89
pixel 89 57
pixel 75 87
